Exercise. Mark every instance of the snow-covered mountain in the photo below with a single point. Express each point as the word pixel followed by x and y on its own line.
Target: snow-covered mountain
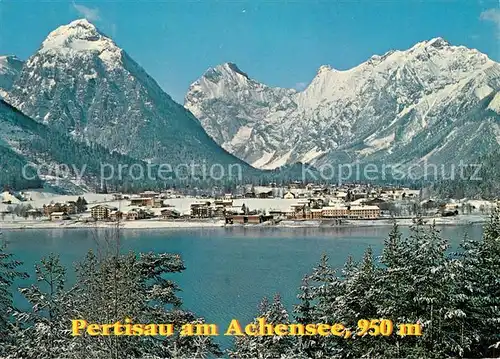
pixel 80 82
pixel 434 102
pixel 32 153
pixel 10 67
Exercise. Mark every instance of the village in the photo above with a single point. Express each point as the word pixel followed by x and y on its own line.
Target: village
pixel 252 205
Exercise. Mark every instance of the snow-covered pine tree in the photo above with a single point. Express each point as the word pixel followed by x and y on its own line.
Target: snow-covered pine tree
pixel 9 271
pixel 44 330
pixel 478 291
pixel 305 346
pixel 321 293
pixel 111 289
pixel 263 346
pixel 357 302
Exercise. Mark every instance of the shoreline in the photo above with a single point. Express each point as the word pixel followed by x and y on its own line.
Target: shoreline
pixel 167 225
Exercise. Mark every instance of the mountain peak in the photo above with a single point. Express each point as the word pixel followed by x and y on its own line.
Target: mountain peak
pixel 437 42
pixel 78 35
pixel 9 63
pixel 81 37
pixel 324 68
pixel 227 70
pixel 231 67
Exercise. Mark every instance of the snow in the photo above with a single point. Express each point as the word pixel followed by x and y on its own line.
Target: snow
pixel 262 161
pixel 278 162
pixel 6 196
pixel 91 76
pixel 377 144
pixel 79 38
pixel 311 155
pixel 483 91
pixel 495 103
pixel 243 135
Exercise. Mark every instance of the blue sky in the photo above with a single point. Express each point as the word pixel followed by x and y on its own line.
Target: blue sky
pixel 281 43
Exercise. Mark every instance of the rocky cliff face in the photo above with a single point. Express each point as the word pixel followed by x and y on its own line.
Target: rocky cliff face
pixel 10 67
pixel 433 102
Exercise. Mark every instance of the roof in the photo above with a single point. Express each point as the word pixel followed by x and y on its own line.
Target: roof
pixel 169 210
pixel 58 213
pixel 364 207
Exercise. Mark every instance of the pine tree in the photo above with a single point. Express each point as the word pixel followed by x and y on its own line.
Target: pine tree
pixel 263 346
pixel 478 291
pixel 9 272
pixel 44 330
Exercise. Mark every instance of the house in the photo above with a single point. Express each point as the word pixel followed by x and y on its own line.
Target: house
pixel 117 196
pixel 115 215
pixel 375 201
pixel 316 202
pixel 142 201
pixel 101 211
pixel 366 212
pixel 149 194
pixel 158 203
pixel 340 195
pixel 297 211
pixel 235 210
pixel 334 212
pixel 295 185
pixel 34 213
pixel 53 207
pixel 289 195
pixel 276 212
pixel 223 203
pixel 170 213
pixel 59 216
pixel 316 213
pixel 248 219
pixel 70 207
pixel 289 213
pixel 264 193
pixel 136 214
pixel 249 194
pixel 201 210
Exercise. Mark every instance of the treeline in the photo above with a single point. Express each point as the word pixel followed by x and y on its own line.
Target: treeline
pixel 109 287
pixel 454 296
pixel 480 180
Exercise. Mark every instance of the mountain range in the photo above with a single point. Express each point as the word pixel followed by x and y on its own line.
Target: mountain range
pixel 80 98
pixel 434 102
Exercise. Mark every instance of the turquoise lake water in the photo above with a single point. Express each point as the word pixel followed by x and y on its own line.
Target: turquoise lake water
pixel 228 270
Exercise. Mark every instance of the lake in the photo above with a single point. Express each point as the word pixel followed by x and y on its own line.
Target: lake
pixel 228 270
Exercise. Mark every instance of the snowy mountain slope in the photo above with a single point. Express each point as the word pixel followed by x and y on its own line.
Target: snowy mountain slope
pixel 24 141
pixel 397 107
pixel 10 67
pixel 80 82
